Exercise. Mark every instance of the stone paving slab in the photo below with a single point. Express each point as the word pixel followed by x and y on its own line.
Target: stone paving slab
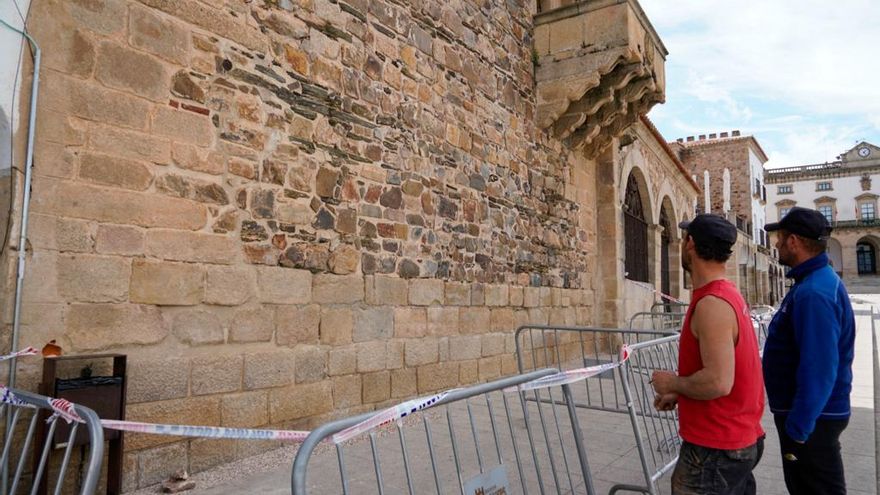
pixel 611 450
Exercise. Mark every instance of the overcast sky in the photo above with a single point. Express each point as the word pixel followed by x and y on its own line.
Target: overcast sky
pixel 802 76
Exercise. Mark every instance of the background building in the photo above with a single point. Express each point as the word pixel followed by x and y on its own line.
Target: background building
pixel 846 192
pixel 730 167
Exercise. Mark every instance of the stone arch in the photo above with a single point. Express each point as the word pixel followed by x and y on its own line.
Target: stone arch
pixel 635 164
pixel 835 254
pixel 669 262
pixel 636 222
pixel 867 248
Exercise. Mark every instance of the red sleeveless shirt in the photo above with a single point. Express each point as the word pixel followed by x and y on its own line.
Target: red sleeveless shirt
pixel 733 421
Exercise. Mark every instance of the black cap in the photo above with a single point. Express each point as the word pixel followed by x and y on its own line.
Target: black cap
pixel 807 223
pixel 709 227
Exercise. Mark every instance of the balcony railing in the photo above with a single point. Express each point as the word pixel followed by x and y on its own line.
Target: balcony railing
pixel 860 223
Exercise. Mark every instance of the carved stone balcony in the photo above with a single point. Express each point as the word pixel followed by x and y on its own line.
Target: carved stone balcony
pixel 600 65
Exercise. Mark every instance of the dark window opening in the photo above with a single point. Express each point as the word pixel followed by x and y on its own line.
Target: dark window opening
pixel 635 229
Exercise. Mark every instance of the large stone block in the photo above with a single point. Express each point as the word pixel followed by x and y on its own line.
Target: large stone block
pixel 279 285
pixel 252 325
pixel 490 368
pixel 493 344
pixel 300 401
pixel 336 325
pixel 93 327
pixel 160 36
pixel 206 453
pixel 245 410
pixel 503 320
pixel 91 101
pixel 157 379
pixel 129 70
pixel 410 322
pixel 342 361
pixel 458 294
pixel 443 321
pixel 297 324
pixel 216 374
pixel 41 283
pixel 117 141
pixel 213 20
pixel 114 171
pixel 421 351
pixel 386 290
pixel 163 283
pixel 311 363
pixel 179 245
pixel 269 369
pixel 403 383
pixel 474 320
pixel 158 464
pixel 89 278
pixel 465 347
pixel 337 289
pixel 497 295
pixel 119 239
pixel 436 377
pixel 425 292
pixel 197 327
pixel 200 411
pixel 116 206
pixel 370 356
pixel 230 285
pixel 376 387
pixel 181 125
pixel 346 392
pixel 373 324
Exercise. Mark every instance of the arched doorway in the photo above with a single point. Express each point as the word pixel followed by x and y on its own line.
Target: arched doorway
pixel 866 258
pixel 835 255
pixel 666 222
pixel 635 231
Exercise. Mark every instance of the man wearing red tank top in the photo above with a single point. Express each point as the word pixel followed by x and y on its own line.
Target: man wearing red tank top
pixel 719 388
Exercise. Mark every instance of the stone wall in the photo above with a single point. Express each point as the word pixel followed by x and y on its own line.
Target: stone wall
pixel 715 156
pixel 286 211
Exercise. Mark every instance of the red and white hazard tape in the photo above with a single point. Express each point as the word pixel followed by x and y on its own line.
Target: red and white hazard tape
pixel 650 288
pixel 571 376
pixel 388 415
pixel 27 351
pixel 205 431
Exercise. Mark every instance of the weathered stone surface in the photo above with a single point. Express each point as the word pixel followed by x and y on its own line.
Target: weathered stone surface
pixel 425 292
pixel 421 351
pixel 371 356
pixel 202 411
pixel 216 374
pixel 336 325
pixel 311 363
pixel 465 347
pixel 245 410
pixel 154 465
pixel 376 387
pixel 206 453
pixel 117 206
pixel 198 327
pixel 344 260
pixel 458 294
pixel 89 278
pixel 212 19
pixel 493 344
pixel 490 368
pixel 94 327
pixel 298 324
pixel 443 321
pixel 117 141
pixel 342 361
pixel 179 245
pixel 252 325
pixel 194 189
pixel 434 377
pixel 119 239
pixel 114 171
pixel 158 35
pixel 163 283
pixel 403 383
pixel 300 401
pixel 502 320
pixel 192 158
pixel 337 289
pixel 497 295
pixel 346 392
pixel 474 320
pixel 284 285
pixel 181 125
pixel 82 99
pixel 382 289
pixel 130 70
pixel 410 322
pixel 230 285
pixel 373 324
pixel 269 369
pixel 162 379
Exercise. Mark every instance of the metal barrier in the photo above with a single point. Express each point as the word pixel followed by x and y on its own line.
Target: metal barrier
pixel 657 320
pixel 669 307
pixel 656 432
pixel 469 441
pixel 761 317
pixel 21 411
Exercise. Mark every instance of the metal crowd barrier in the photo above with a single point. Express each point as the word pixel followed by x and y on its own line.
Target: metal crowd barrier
pixel 656 432
pixel 474 440
pixel 761 317
pixel 657 321
pixel 20 412
pixel 669 307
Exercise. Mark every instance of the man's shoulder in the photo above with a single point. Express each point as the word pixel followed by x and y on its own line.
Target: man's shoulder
pixel 822 283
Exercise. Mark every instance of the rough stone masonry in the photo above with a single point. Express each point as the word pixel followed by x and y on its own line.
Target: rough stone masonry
pixel 290 210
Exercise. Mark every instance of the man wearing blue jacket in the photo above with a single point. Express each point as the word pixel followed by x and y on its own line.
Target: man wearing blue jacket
pixel 808 358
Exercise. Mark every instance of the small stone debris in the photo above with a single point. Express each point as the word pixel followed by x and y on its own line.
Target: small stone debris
pixel 178 482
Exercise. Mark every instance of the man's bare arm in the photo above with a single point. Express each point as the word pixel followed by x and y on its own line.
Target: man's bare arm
pixel 714 324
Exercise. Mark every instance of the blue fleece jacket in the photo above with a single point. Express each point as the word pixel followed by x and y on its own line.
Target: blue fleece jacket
pixel 809 350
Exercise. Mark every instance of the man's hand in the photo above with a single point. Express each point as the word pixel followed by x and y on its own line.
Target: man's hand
pixel 664 382
pixel 665 402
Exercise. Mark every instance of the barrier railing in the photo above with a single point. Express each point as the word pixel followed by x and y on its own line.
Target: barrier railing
pixel 657 321
pixel 656 432
pixel 479 439
pixel 20 412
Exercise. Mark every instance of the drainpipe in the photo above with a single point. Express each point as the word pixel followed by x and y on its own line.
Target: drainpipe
pixel 28 173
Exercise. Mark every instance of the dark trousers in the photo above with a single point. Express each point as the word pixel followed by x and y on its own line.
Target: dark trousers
pixel 815 466
pixel 705 471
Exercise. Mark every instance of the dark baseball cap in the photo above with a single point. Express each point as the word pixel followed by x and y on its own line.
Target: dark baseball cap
pixel 709 227
pixel 807 223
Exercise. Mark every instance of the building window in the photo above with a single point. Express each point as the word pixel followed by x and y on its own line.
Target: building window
pixel 827 211
pixel 865 258
pixel 787 189
pixel 635 233
pixel 783 212
pixel 866 211
pixel 823 186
